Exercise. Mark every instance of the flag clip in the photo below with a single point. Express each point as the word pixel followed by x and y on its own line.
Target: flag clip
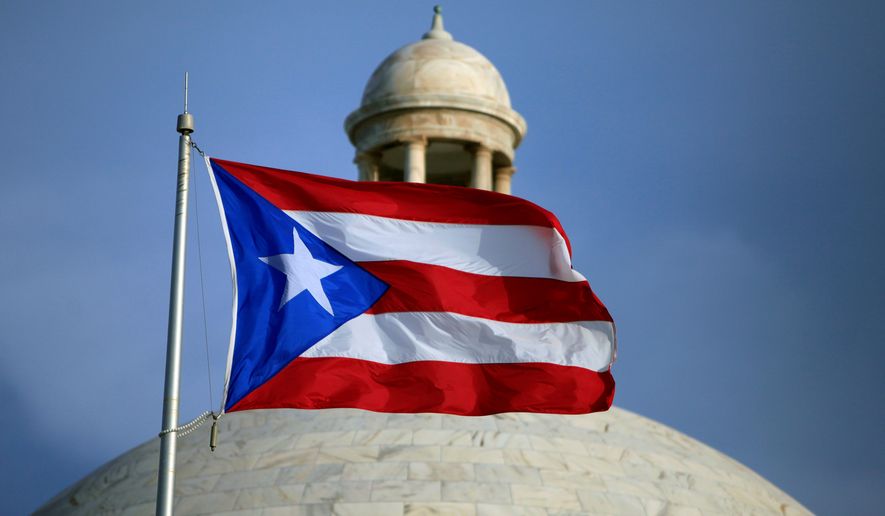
pixel 213 434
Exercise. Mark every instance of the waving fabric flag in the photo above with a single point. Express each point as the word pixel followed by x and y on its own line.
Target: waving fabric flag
pixel 401 297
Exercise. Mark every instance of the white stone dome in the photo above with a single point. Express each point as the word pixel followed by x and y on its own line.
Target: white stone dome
pixel 440 75
pixel 356 462
pixel 433 69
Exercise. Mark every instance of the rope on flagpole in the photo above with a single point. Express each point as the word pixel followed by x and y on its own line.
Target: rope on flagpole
pixel 193 425
pixel 185 429
pixel 202 281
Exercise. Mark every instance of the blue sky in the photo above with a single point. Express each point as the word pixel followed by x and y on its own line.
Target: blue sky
pixel 718 167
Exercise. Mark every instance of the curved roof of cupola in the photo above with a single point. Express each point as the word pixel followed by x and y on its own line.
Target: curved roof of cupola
pixel 436 72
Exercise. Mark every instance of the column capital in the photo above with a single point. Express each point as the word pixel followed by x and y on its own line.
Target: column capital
pixel 367 157
pixel 411 140
pixel 477 148
pixel 368 163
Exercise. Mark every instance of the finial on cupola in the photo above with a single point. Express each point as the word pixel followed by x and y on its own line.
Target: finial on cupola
pixel 437 31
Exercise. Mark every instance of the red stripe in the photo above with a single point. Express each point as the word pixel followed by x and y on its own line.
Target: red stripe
pixel 418 287
pixel 443 387
pixel 409 201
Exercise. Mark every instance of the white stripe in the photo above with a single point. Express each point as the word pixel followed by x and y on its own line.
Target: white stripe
pixel 491 250
pixel 395 338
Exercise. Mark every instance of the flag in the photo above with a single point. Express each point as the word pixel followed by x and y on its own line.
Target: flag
pixel 403 297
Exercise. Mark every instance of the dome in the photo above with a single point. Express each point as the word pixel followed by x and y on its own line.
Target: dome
pixel 346 461
pixel 437 73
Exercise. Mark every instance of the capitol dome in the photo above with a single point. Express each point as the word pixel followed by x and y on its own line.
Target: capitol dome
pixel 355 462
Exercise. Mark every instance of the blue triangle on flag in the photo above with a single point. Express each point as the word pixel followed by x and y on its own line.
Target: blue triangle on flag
pixel 269 336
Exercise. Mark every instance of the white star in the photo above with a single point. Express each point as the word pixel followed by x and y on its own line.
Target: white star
pixel 303 272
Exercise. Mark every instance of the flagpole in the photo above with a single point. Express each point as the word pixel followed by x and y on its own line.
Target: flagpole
pixel 166 480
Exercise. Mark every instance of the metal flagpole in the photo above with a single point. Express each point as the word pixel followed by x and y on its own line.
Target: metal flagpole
pixel 166 480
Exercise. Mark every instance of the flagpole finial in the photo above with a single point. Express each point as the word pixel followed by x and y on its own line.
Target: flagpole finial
pixel 185 120
pixel 437 31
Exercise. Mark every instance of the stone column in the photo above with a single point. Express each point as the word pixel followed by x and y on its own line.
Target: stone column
pixel 481 175
pixel 368 164
pixel 414 168
pixel 502 179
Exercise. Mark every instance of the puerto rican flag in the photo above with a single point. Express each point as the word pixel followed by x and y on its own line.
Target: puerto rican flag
pixel 401 297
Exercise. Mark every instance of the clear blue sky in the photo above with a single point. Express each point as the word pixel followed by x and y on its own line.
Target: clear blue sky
pixel 718 166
